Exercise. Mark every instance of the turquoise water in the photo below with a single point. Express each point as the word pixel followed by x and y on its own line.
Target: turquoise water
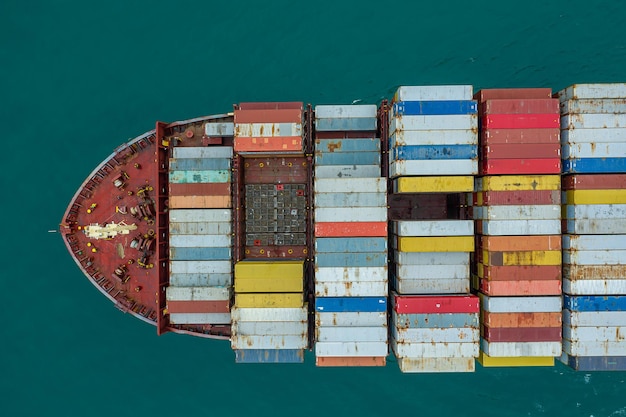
pixel 78 79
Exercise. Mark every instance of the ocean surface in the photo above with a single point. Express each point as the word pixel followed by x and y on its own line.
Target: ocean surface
pixel 79 78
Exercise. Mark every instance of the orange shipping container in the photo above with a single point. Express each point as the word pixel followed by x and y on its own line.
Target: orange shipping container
pixel 268 116
pixel 355 229
pixel 520 319
pixel 350 361
pixel 520 288
pixel 520 243
pixel 216 306
pixel 289 144
pixel 199 201
pixel 213 188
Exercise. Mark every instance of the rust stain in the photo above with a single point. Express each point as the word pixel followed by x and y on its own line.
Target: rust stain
pixel 333 146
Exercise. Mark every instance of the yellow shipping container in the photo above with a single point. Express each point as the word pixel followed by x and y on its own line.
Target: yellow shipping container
pixel 269 284
pixel 269 269
pixel 458 184
pixel 530 257
pixel 521 182
pixel 436 244
pixel 284 300
pixel 490 361
pixel 595 196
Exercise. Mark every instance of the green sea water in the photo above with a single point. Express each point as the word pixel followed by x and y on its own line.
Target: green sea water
pixel 79 78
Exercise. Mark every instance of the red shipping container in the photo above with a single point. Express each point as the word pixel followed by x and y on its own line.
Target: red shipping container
pixel 500 136
pixel 283 144
pixel 271 105
pixel 351 229
pixel 594 182
pixel 521 272
pixel 521 166
pixel 521 334
pixel 520 288
pixel 519 150
pixel 522 197
pixel 215 306
pixel 512 93
pixel 268 116
pixel 521 121
pixel 222 189
pixel 426 304
pixel 495 320
pixel 520 106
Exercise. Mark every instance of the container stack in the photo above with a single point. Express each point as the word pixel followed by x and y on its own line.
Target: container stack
pixel 350 206
pixel 269 318
pixel 200 235
pixel 269 128
pixel 593 139
pixel 517 211
pixel 432 162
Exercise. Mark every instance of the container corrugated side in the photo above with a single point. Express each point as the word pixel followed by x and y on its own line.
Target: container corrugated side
pixel 269 355
pixel 593 150
pixel 203 215
pixel 595 257
pixel 347 171
pixel 608 135
pixel 430 365
pixel 594 363
pixel 264 328
pixel 434 350
pixel 351 334
pixel 417 304
pixel 219 129
pixel 265 283
pixel 265 130
pixel 514 361
pixel 351 185
pixel 202 152
pixel 594 318
pixel 520 304
pixel 197 293
pixel 433 228
pixel 269 314
pixel 600 333
pixel 200 280
pixel 434 335
pixel 344 124
pixel 594 348
pixel 332 146
pixel 200 254
pixel 592 106
pixel 594 242
pixel 252 269
pixel 594 287
pixel 200 267
pixel 575 272
pixel 434 320
pixel 434 92
pixel 367 259
pixel 351 289
pixel 433 137
pixel 593 91
pixel 347 158
pixel 434 152
pixel 507 349
pixel 434 243
pixel 269 300
pixel 434 107
pixel 345 111
pixel 350 304
pixel 200 241
pixel 197 177
pixel 616 225
pixel 199 228
pixel 519 212
pixel 518 227
pixel 433 167
pixel 351 319
pixel 351 274
pixel 594 303
pixel 439 184
pixel 351 349
pixel 199 164
pixel 594 165
pixel 350 199
pixel 444 122
pixel 436 286
pixel 431 258
pixel 371 244
pixel 350 214
pixel 268 341
pixel 344 361
pixel 432 272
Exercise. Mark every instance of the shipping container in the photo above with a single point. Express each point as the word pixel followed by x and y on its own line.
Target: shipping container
pixel 594 318
pixel 351 334
pixel 347 158
pixel 271 269
pixel 595 286
pixel 433 228
pixel 350 214
pixel 515 361
pixel 594 165
pixel 431 258
pixel 371 244
pixel 200 280
pixel 434 335
pixel 520 106
pixel 434 350
pixel 183 152
pixel 518 182
pixel 601 333
pixel 267 130
pixel 519 272
pixel 197 293
pixel 268 341
pixel 416 304
pixel 433 137
pixel 289 145
pixel 519 136
pixel 196 306
pixel 268 116
pixel 366 259
pixel 593 121
pixel 434 320
pixel 200 241
pixel 350 304
pixel 272 105
pixel 199 228
pixel 359 349
pixel 523 121
pixel 433 167
pixel 538 257
pixel 596 226
pixel 594 348
pixel 219 129
pixel 520 288
pixel 444 122
pixel 341 124
pixel 520 305
pixel 209 188
pixel 415 365
pixel 521 334
pixel 353 199
pixel 199 318
pixel 435 286
pixel 199 202
pixel 351 361
pixel 594 182
pixel 350 229
pixel 351 289
pixel 522 197
pixel 264 328
pixel 595 257
pixel 199 164
pixel 348 171
pixel 269 355
pixel 508 349
pixel 594 303
pixel 437 107
pixel 434 244
pixel 495 320
pixel 521 166
pixel 284 300
pixel 521 243
pixel 438 184
pixel 432 272
pixel 194 177
pixel 594 363
pixel 351 185
pixel 323 147
pixel 208 215
pixel 605 135
pixel 433 93
pixel 345 111
pixel 513 93
pixel 592 91
pixel 521 151
pixel 595 212
pixel 263 283
pixel 351 274
pixel 434 152
pixel 200 267
pixel 269 314
pixel 351 319
pixel 518 227
pixel 590 272
pixel 199 254
pixel 519 212
pixel 594 150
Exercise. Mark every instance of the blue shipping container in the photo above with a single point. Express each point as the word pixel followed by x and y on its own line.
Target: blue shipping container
pixel 337 125
pixel 348 158
pixel 435 321
pixel 594 303
pixel 351 259
pixel 269 355
pixel 415 152
pixel 350 304
pixel 350 244
pixel 347 145
pixel 199 164
pixel 594 166
pixel 200 254
pixel 595 363
pixel 416 108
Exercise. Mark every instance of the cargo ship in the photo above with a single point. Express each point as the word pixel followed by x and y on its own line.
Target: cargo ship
pixel 442 227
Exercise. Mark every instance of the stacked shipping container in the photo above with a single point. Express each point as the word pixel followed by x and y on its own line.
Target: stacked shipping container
pixel 593 138
pixel 432 161
pixel 350 238
pixel 200 235
pixel 516 207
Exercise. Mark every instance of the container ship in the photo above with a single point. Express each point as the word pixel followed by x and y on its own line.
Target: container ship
pixel 443 228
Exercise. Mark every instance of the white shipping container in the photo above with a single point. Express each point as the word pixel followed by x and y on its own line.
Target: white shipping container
pixel 433 167
pixel 594 242
pixel 433 227
pixel 351 334
pixel 594 286
pixel 444 122
pixel 201 280
pixel 351 214
pixel 594 318
pixel 268 342
pixel 219 129
pixel 434 335
pixel 350 185
pixel 434 93
pixel 595 211
pixel 597 226
pixel 197 293
pixel 438 286
pixel 593 90
pixel 431 258
pixel 435 350
pixel 200 215
pixel 520 227
pixel 351 319
pixel 435 272
pixel 201 241
pixel 199 318
pixel 351 274
pixel 593 121
pixel 347 171
pixel 338 199
pixel 200 267
pixel 243 314
pixel 516 349
pixel 585 106
pixel 520 304
pixel 265 328
pixel 433 137
pixel 264 130
pixel 351 349
pixel 352 289
pixel 345 111
pixel 415 365
pixel 200 228
pixel 594 334
pixel 594 348
pixel 595 257
pixel 519 212
pixel 593 150
pixel 183 152
pixel 615 135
